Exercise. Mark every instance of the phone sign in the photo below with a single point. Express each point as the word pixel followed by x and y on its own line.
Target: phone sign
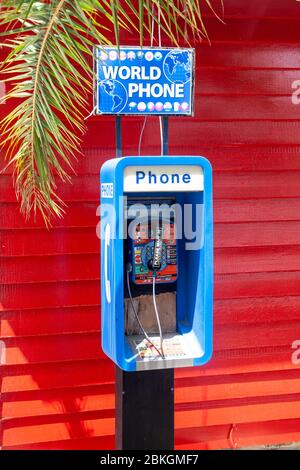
pixel 163 178
pixel 144 81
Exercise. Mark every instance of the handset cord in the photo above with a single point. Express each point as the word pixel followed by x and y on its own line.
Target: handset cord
pixel 157 317
pixel 139 321
pixel 156 265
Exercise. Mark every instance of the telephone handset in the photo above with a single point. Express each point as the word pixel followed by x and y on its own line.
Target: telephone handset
pixel 154 252
pixel 156 262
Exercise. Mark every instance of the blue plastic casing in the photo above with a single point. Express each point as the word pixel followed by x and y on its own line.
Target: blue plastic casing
pixel 194 310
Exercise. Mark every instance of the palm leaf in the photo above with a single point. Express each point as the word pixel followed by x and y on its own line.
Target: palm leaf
pixel 49 70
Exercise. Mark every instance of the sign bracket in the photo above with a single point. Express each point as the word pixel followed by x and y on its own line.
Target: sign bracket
pixel 118 136
pixel 165 144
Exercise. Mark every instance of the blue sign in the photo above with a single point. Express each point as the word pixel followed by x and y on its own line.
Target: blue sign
pixel 144 81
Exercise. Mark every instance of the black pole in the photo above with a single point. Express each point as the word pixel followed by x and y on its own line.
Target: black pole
pixel 118 136
pixel 145 410
pixel 144 400
pixel 165 127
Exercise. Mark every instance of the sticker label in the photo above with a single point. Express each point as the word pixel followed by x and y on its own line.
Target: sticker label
pixel 107 190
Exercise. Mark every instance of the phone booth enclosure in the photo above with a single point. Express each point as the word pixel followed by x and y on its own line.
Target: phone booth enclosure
pixel 188 181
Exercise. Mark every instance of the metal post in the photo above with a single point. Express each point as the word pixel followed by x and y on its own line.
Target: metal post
pixel 165 135
pixel 145 410
pixel 118 136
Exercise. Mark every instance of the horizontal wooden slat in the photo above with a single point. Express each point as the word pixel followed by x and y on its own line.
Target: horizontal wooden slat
pixel 263 29
pixel 17 433
pixel 223 157
pixel 274 55
pixel 53 348
pixel 49 321
pixel 87 319
pixel 84 267
pixel 83 216
pixel 65 375
pixel 246 185
pixel 230 286
pixel 72 267
pixel 242 435
pixel 236 106
pixel 237 54
pixel 86 443
pixel 235 286
pixel 246 107
pixel 67 347
pixel 202 393
pixel 257 259
pixel 84 242
pixel 236 413
pixel 101 397
pixel 207 437
pixel 240 362
pixel 210 378
pixel 197 133
pixel 257 210
pixel 256 185
pixel 257 310
pixel 259 9
pixel 236 336
pixel 259 234
pixel 88 192
pixel 245 82
pixel 66 294
pixel 55 242
pixel 80 240
pixel 74 400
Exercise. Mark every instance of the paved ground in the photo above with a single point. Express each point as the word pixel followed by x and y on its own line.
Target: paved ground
pixel 287 446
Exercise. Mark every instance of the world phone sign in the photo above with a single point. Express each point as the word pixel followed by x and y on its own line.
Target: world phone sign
pixel 144 81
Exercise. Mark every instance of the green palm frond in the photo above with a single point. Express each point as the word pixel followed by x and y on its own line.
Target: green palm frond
pixel 50 73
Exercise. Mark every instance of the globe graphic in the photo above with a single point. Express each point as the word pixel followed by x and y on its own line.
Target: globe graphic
pixel 177 66
pixel 112 96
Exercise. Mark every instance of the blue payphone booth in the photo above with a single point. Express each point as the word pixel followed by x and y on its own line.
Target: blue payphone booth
pixel 157 261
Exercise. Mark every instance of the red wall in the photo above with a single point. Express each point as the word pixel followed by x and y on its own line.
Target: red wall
pixel 57 386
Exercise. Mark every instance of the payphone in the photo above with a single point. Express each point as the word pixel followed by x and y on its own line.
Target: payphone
pixel 157 261
pixel 153 251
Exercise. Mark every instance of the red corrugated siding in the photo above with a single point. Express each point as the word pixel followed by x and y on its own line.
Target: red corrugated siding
pixel 57 386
